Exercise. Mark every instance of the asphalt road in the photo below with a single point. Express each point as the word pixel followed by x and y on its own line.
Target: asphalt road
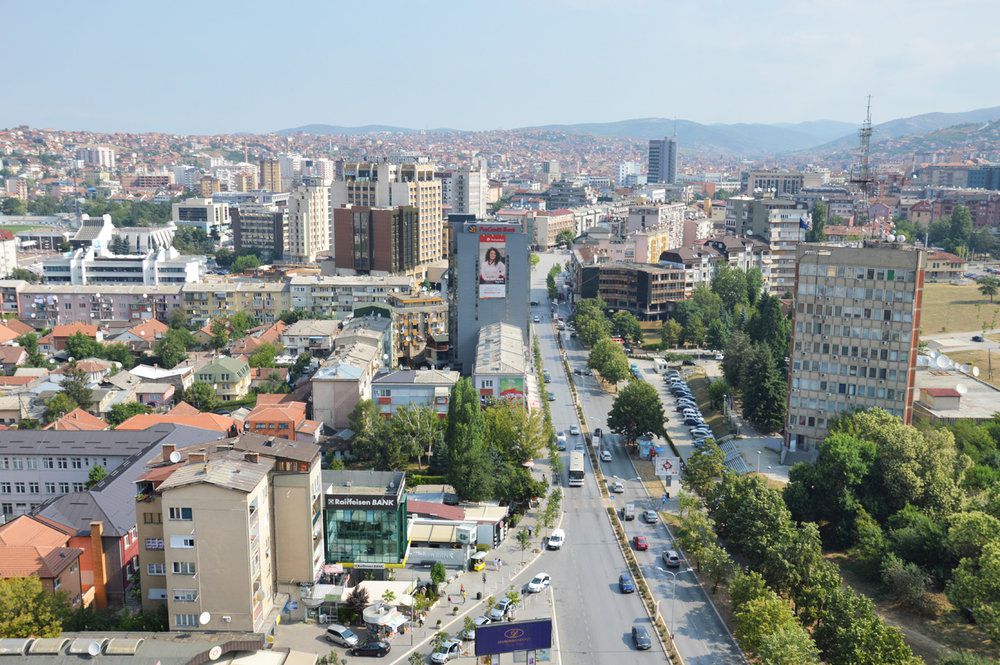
pixel 594 620
pixel 586 615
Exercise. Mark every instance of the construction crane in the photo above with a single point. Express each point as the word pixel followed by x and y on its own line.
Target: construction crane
pixel 863 176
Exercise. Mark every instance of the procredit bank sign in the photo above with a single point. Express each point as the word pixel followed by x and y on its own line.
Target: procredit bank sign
pixel 360 502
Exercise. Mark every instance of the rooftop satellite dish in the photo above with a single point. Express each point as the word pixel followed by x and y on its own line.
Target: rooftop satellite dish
pixel 891 238
pixel 175 457
pixel 215 653
pixel 204 618
pixel 933 354
pixel 94 649
pixel 975 371
pixel 942 362
pixel 961 388
pixel 965 369
pixel 900 238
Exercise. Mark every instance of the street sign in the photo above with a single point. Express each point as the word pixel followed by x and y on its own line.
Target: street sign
pixel 667 467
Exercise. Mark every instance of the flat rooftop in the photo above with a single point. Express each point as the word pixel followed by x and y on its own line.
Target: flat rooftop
pixel 980 401
pixel 362 482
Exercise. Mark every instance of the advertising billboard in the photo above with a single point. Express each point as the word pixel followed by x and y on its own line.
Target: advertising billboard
pixel 492 265
pixel 501 637
pixel 512 389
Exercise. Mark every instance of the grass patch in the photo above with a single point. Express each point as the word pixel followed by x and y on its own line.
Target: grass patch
pixel 716 421
pixel 930 639
pixel 951 308
pixel 17 228
pixel 980 360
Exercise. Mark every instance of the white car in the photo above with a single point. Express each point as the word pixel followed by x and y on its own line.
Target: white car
pixel 536 319
pixel 448 650
pixel 574 430
pixel 618 487
pixel 478 621
pixel 539 583
pixel 556 540
pixel 606 456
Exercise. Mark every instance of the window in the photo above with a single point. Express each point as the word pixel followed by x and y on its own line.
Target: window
pixel 186 620
pixel 186 595
pixel 180 513
pixel 64 488
pixel 32 462
pixel 33 488
pixel 184 568
pixel 19 488
pixel 77 462
pixel 152 518
pixel 48 463
pixel 17 463
pixel 77 487
pixel 156 569
pixel 4 462
pixel 56 583
pixel 5 488
pixel 62 463
pixel 154 543
pixel 182 542
pixel 157 594
pixel 50 488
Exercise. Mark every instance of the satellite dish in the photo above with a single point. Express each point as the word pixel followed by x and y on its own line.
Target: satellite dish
pixel 891 238
pixel 933 355
pixel 900 238
pixel 215 653
pixel 975 371
pixel 204 618
pixel 965 369
pixel 961 388
pixel 175 457
pixel 942 362
pixel 94 649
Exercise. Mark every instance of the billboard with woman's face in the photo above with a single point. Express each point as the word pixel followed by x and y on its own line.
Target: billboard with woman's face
pixel 492 265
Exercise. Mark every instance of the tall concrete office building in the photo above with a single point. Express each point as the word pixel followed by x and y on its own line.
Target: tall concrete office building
pixel 469 189
pixel 270 175
pixel 662 166
pixel 308 223
pixel 487 282
pixel 386 185
pixel 854 340
pixel 376 239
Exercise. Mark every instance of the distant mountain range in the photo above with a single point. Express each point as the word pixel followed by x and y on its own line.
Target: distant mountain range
pixel 739 139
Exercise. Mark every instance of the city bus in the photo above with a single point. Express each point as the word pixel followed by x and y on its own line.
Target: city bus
pixel 576 471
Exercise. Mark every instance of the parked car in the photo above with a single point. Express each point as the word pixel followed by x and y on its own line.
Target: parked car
pixel 650 517
pixel 371 648
pixel 341 635
pixel 640 543
pixel 546 375
pixel 448 650
pixel 701 432
pixel 671 559
pixel 688 362
pixel 640 637
pixel 478 621
pixel 598 431
pixel 625 584
pixel 534 303
pixel 561 442
pixel 539 583
pixel 977 338
pixel 552 397
pixel 573 334
pixel 556 540
pixel 536 319
pixel 720 357
pixel 606 456
pixel 502 610
pixel 693 421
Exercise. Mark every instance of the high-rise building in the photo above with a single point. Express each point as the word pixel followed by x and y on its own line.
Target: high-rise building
pixel 775 182
pixel 662 165
pixel 270 175
pixel 487 282
pixel 376 239
pixel 985 177
pixel 627 171
pixel 101 156
pixel 781 223
pixel 308 222
pixel 551 172
pixel 260 228
pixel 386 185
pixel 470 188
pixel 854 339
pixel 208 185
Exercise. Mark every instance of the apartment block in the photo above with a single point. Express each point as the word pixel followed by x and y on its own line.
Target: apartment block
pixel 414 388
pixel 94 266
pixel 647 291
pixel 777 182
pixel 202 213
pixel 854 340
pixel 308 223
pixel 262 229
pixel 270 175
pixel 265 300
pixel 416 319
pixel 785 231
pixel 470 189
pixel 662 162
pixel 216 539
pixel 548 224
pixel 377 239
pixel 339 296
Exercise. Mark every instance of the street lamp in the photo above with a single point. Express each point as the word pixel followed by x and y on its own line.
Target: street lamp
pixel 758 461
pixel 673 594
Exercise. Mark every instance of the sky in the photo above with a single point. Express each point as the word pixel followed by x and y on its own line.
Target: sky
pixel 219 66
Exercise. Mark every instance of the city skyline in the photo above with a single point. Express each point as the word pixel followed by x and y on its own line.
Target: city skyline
pixel 177 73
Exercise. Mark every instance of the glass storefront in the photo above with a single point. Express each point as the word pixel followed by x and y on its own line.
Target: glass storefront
pixel 366 535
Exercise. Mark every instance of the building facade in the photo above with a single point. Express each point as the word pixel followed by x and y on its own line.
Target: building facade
pixel 662 163
pixel 414 388
pixel 308 223
pixel 262 229
pixel 854 340
pixel 377 239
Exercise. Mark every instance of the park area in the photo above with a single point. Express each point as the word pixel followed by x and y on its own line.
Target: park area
pixel 957 308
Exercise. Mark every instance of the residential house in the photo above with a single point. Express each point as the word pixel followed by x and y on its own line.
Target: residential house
pixel 11 357
pixel 230 377
pixel 7 336
pixel 414 388
pixel 182 414
pixel 261 375
pixel 56 339
pixel 180 377
pixel 13 408
pixel 273 416
pixel 78 420
pixel 156 395
pixel 944 266
pixel 313 336
pixel 342 380
pixel 271 334
pixel 143 336
pixel 31 545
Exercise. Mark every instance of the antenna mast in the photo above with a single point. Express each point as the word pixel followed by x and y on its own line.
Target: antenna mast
pixel 863 178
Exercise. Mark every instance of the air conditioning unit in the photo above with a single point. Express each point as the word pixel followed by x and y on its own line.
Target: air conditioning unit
pixel 227 618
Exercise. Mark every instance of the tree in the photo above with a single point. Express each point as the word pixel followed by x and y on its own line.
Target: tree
pixel 74 385
pixel 122 411
pixel 988 285
pixel 718 390
pixel 906 582
pixel 523 542
pixel 28 610
pixel 959 227
pixel 694 331
pixel 264 355
pixel 14 206
pixel 190 240
pixel 671 333
pixel 819 215
pixel 29 342
pixel 625 325
pixel 469 470
pixel 608 358
pixel 241 322
pixel 871 545
pixel 788 644
pixel 170 351
pixel 704 468
pixel 81 346
pixel 636 411
pixel 302 363
pixel 245 263
pixel 592 326
pixel 764 392
pixel 119 245
pixel 200 395
pixel 368 427
pixel 969 532
pixel 730 284
pixel 849 632
pixel 965 658
pixel 57 406
pixel 179 318
pixel 25 274
pixel 438 573
pixel 358 600
pixel 220 333
pixel 225 257
pixel 120 353
pixel 565 237
pixel 512 433
pixel 759 617
pixel 96 474
pixel 976 585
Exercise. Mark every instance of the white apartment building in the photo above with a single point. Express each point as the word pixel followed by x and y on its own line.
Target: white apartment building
pixel 90 266
pixel 309 225
pixel 469 189
pixel 97 155
pixel 669 216
pixel 786 230
pixel 8 253
pixel 340 295
pixel 202 214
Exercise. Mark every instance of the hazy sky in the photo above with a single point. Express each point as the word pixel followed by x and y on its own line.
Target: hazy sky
pixel 220 66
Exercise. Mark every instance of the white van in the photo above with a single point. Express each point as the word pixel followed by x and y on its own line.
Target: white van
pixel 628 512
pixel 556 540
pixel 660 365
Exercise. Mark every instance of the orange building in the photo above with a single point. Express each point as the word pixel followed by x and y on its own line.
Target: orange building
pixel 287 420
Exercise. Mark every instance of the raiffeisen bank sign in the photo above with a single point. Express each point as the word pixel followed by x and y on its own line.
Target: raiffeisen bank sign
pixel 360 502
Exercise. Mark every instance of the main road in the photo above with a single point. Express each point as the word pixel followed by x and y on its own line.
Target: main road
pixel 587 615
pixel 594 619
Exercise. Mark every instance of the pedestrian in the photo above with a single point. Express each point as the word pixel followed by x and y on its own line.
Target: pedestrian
pixel 531 531
pixel 462 589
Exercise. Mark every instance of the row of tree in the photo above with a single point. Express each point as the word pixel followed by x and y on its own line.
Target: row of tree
pixel 919 508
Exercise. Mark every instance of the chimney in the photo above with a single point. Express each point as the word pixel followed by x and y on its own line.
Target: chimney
pixel 199 456
pixel 97 562
pixel 168 448
pixel 250 457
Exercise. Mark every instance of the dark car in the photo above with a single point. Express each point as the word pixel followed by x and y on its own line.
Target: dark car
pixel 687 362
pixel 625 583
pixel 598 432
pixel 534 303
pixel 977 338
pixel 372 648
pixel 640 637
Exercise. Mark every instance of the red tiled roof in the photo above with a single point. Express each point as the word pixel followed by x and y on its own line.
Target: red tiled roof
pixel 7 335
pixel 70 329
pixel 43 561
pixel 16 380
pixel 20 327
pixel 30 530
pixel 435 509
pixel 183 409
pixel 264 373
pixel 78 420
pixel 209 421
pixel 149 329
pixel 11 355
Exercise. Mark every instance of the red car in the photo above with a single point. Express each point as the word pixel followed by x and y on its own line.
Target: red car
pixel 640 543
